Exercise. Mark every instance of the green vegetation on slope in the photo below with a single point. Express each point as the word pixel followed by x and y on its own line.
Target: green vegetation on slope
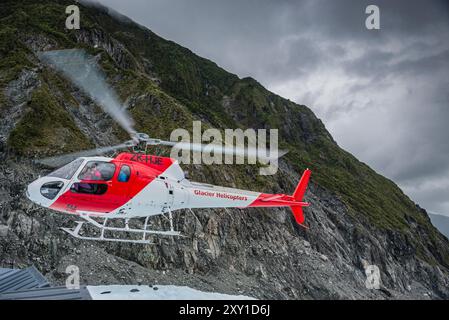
pixel 46 126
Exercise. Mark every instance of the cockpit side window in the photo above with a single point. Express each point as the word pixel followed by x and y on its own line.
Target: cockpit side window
pixel 97 170
pixel 67 171
pixel 124 174
pixel 89 188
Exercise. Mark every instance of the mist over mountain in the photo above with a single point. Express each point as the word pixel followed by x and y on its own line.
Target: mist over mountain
pixel 356 218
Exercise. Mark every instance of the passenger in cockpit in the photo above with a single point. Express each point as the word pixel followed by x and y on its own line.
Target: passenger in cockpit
pixel 92 173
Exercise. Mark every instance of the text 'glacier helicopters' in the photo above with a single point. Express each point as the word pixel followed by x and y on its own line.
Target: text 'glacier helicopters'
pixel 133 184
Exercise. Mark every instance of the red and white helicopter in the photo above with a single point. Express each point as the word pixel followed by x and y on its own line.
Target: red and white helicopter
pixel 137 185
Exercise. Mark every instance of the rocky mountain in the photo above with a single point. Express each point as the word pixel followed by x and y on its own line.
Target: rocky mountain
pixel 441 222
pixel 356 218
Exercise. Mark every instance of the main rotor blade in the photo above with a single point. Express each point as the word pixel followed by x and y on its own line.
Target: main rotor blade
pixel 58 161
pixel 83 71
pixel 256 153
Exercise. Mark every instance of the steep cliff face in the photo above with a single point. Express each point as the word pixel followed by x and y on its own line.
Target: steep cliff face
pixel 356 217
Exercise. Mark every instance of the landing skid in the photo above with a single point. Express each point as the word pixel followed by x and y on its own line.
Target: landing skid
pixel 75 232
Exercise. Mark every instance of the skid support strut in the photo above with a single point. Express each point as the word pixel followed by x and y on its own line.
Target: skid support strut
pixel 102 227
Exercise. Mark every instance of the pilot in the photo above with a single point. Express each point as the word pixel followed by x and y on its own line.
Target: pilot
pixel 92 173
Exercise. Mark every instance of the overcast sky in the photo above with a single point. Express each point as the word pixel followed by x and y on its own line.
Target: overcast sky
pixel 383 94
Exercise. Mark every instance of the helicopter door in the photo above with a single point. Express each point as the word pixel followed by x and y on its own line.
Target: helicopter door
pixel 98 189
pixel 122 181
pixel 118 190
pixel 83 195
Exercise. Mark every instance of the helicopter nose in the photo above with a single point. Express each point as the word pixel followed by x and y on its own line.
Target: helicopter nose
pixel 44 191
pixel 33 192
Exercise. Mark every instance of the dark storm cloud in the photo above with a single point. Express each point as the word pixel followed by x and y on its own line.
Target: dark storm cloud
pixel 383 94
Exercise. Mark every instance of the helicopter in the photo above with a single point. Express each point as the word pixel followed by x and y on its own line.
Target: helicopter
pixel 135 184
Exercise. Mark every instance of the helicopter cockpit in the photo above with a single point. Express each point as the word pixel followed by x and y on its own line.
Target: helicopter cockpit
pixel 45 190
pixel 92 173
pixel 51 189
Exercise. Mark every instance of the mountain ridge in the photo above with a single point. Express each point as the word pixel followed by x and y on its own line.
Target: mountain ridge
pixel 356 214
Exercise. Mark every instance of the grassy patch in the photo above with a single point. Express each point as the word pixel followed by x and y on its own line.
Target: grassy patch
pixel 46 128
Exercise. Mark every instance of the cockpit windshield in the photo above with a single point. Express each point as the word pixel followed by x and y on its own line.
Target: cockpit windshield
pixel 68 170
pixel 97 170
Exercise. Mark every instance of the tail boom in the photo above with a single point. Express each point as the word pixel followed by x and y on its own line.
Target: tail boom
pixel 281 200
